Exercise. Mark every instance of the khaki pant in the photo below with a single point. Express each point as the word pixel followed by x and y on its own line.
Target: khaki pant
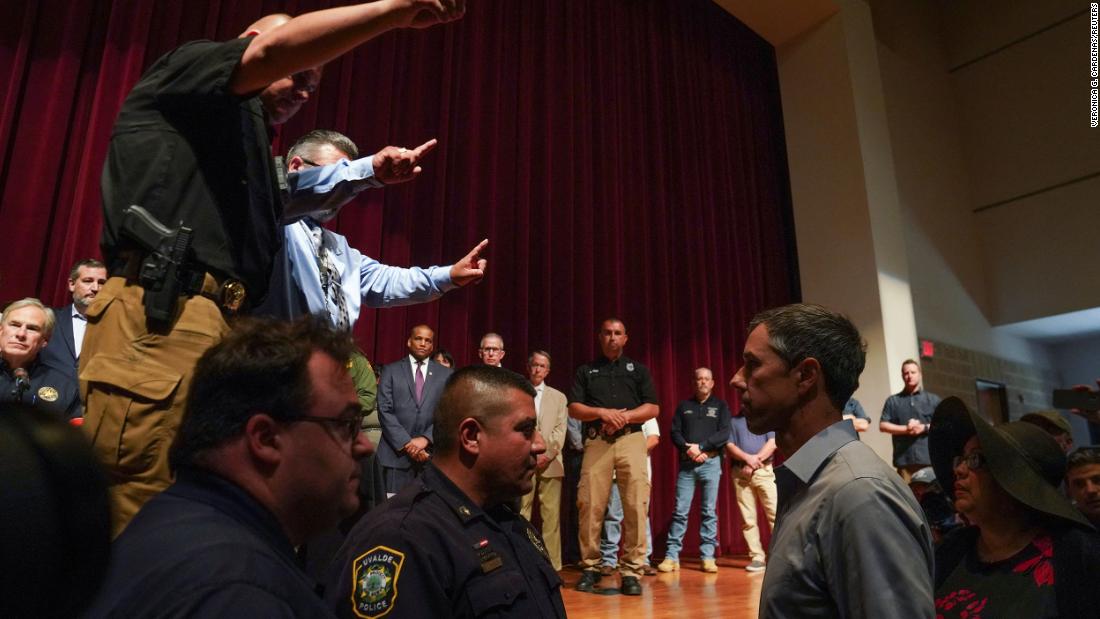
pixel 548 490
pixel 760 486
pixel 134 383
pixel 626 458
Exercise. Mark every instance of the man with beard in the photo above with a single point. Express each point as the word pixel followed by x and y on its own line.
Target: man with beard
pixel 63 353
pixel 450 544
pixel 850 539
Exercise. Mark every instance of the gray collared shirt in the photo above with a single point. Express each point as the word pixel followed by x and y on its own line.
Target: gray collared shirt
pixel 850 538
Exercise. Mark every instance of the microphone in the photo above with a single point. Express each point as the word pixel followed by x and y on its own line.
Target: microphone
pixel 22 383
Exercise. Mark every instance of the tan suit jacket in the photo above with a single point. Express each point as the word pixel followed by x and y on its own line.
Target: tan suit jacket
pixel 553 417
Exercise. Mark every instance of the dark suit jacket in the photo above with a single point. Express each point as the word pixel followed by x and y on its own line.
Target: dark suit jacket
pixel 401 417
pixel 60 351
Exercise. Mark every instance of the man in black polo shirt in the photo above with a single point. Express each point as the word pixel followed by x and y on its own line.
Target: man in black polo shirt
pixel 613 395
pixel 192 144
pixel 700 430
pixel 908 416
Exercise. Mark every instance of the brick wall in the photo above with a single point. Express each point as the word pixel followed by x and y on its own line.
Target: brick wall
pixel 954 369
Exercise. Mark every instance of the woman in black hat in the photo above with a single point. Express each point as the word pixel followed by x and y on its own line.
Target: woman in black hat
pixel 1027 551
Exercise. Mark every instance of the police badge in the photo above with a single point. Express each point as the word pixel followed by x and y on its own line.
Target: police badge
pixel 47 394
pixel 374 577
pixel 630 367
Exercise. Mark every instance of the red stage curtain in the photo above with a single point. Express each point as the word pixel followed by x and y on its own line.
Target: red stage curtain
pixel 623 157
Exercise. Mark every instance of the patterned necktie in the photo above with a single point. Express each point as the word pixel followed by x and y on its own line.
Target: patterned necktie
pixel 419 382
pixel 330 279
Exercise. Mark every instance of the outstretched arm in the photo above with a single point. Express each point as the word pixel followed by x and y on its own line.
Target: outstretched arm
pixel 312 39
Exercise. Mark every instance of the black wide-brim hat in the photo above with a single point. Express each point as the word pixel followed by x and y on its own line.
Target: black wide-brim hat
pixel 1025 460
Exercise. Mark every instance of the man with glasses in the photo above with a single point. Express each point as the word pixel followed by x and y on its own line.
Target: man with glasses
pixel 191 145
pixel 491 349
pixel 265 458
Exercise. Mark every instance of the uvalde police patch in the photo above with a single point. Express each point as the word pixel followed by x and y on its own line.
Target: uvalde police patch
pixel 374 577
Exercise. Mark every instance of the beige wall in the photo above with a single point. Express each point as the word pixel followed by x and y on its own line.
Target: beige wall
pixel 904 118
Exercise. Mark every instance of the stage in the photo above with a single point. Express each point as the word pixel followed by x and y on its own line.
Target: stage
pixel 689 592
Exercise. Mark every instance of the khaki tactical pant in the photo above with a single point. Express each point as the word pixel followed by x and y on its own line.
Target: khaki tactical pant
pixel 134 383
pixel 626 458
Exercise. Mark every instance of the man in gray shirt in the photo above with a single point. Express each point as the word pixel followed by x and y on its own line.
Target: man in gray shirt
pixel 850 540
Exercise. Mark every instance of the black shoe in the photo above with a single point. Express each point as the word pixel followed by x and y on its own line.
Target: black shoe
pixel 630 586
pixel 588 581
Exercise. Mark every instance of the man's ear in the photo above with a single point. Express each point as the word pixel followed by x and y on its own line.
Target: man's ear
pixel 469 435
pixel 294 164
pixel 809 375
pixel 263 436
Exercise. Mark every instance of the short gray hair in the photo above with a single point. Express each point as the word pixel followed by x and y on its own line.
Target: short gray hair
pixel 320 137
pixel 47 329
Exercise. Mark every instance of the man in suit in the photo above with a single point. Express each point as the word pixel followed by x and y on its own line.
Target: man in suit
pixel 63 353
pixel 552 412
pixel 407 396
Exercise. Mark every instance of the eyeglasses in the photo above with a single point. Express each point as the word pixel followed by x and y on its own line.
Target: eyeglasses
pixel 974 461
pixel 491 350
pixel 348 427
pixel 308 162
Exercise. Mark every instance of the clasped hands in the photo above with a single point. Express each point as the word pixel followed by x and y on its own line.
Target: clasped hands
pixel 417 449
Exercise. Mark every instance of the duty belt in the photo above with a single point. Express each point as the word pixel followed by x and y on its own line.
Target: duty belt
pixel 592 431
pixel 229 294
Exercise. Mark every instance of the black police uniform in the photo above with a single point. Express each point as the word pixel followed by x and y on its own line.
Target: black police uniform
pixel 205 548
pixel 431 552
pixel 49 389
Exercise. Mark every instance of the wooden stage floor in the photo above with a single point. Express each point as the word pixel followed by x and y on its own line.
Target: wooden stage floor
pixel 731 593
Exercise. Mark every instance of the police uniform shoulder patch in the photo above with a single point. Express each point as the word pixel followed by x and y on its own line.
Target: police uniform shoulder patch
pixel 374 577
pixel 536 541
pixel 47 394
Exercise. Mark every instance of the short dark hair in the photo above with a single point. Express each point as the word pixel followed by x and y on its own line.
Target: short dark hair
pixel 1083 456
pixel 910 362
pixel 260 367
pixel 599 327
pixel 442 352
pixel 318 138
pixel 799 331
pixel 91 263
pixel 459 401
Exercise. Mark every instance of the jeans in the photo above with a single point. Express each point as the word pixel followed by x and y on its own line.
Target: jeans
pixel 707 474
pixel 612 530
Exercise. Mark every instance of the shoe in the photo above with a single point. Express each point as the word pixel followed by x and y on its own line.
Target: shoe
pixel 649 570
pixel 607 570
pixel 589 579
pixel 755 566
pixel 668 565
pixel 630 586
pixel 710 566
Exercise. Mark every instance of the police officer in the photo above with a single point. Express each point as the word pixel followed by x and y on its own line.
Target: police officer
pixel 449 544
pixel 191 144
pixel 25 330
pixel 614 396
